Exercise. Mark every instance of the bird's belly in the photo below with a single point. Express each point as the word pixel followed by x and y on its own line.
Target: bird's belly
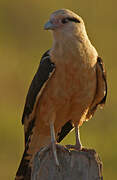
pixel 66 97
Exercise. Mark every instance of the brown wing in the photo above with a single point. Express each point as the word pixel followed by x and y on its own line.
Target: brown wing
pixel 43 74
pixel 41 78
pixel 101 91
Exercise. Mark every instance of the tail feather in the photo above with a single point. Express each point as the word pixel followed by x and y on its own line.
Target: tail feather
pixel 24 170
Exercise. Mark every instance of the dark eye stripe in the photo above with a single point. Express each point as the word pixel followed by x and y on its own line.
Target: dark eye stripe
pixel 73 19
pixel 65 20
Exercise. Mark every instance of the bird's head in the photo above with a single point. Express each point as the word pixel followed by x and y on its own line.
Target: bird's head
pixel 65 21
pixel 68 31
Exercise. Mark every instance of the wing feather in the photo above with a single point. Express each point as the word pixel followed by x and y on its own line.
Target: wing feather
pixel 101 90
pixel 64 131
pixel 41 78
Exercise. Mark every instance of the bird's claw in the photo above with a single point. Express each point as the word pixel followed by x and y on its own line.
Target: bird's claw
pixel 76 147
pixel 63 148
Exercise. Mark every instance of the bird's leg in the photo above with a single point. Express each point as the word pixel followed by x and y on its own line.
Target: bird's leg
pixel 78 145
pixel 53 141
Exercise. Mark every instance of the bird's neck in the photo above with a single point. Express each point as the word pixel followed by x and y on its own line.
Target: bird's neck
pixel 71 47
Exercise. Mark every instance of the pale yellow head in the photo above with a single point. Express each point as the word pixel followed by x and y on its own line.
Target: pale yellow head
pixel 69 34
pixel 65 22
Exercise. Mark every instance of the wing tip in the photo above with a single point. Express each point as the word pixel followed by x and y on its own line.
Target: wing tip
pixel 64 131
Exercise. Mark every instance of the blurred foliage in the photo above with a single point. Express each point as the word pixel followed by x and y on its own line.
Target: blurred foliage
pixel 22 42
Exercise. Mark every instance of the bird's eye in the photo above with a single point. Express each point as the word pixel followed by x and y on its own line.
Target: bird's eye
pixel 65 20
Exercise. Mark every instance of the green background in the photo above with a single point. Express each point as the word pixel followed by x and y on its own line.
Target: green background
pixel 22 42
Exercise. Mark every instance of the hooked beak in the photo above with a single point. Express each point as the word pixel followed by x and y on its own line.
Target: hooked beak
pixel 49 26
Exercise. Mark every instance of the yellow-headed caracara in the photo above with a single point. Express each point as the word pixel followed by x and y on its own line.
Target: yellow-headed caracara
pixel 67 88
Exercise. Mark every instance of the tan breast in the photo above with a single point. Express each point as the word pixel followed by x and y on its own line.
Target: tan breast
pixel 68 93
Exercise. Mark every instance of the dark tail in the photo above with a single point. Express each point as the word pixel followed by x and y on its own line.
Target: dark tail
pixel 24 170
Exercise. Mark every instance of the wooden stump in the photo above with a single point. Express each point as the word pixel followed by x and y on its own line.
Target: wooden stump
pixel 74 165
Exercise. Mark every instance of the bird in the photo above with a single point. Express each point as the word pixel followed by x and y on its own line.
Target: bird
pixel 69 85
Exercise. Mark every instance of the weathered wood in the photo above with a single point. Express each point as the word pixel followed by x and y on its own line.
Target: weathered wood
pixel 74 165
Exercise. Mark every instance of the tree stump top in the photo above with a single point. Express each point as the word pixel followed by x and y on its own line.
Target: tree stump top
pixel 74 165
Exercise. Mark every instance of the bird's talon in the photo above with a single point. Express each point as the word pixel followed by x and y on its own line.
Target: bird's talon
pixel 63 148
pixel 78 148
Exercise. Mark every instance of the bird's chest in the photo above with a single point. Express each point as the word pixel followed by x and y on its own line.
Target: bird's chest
pixel 70 86
pixel 67 78
pixel 68 93
pixel 71 78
